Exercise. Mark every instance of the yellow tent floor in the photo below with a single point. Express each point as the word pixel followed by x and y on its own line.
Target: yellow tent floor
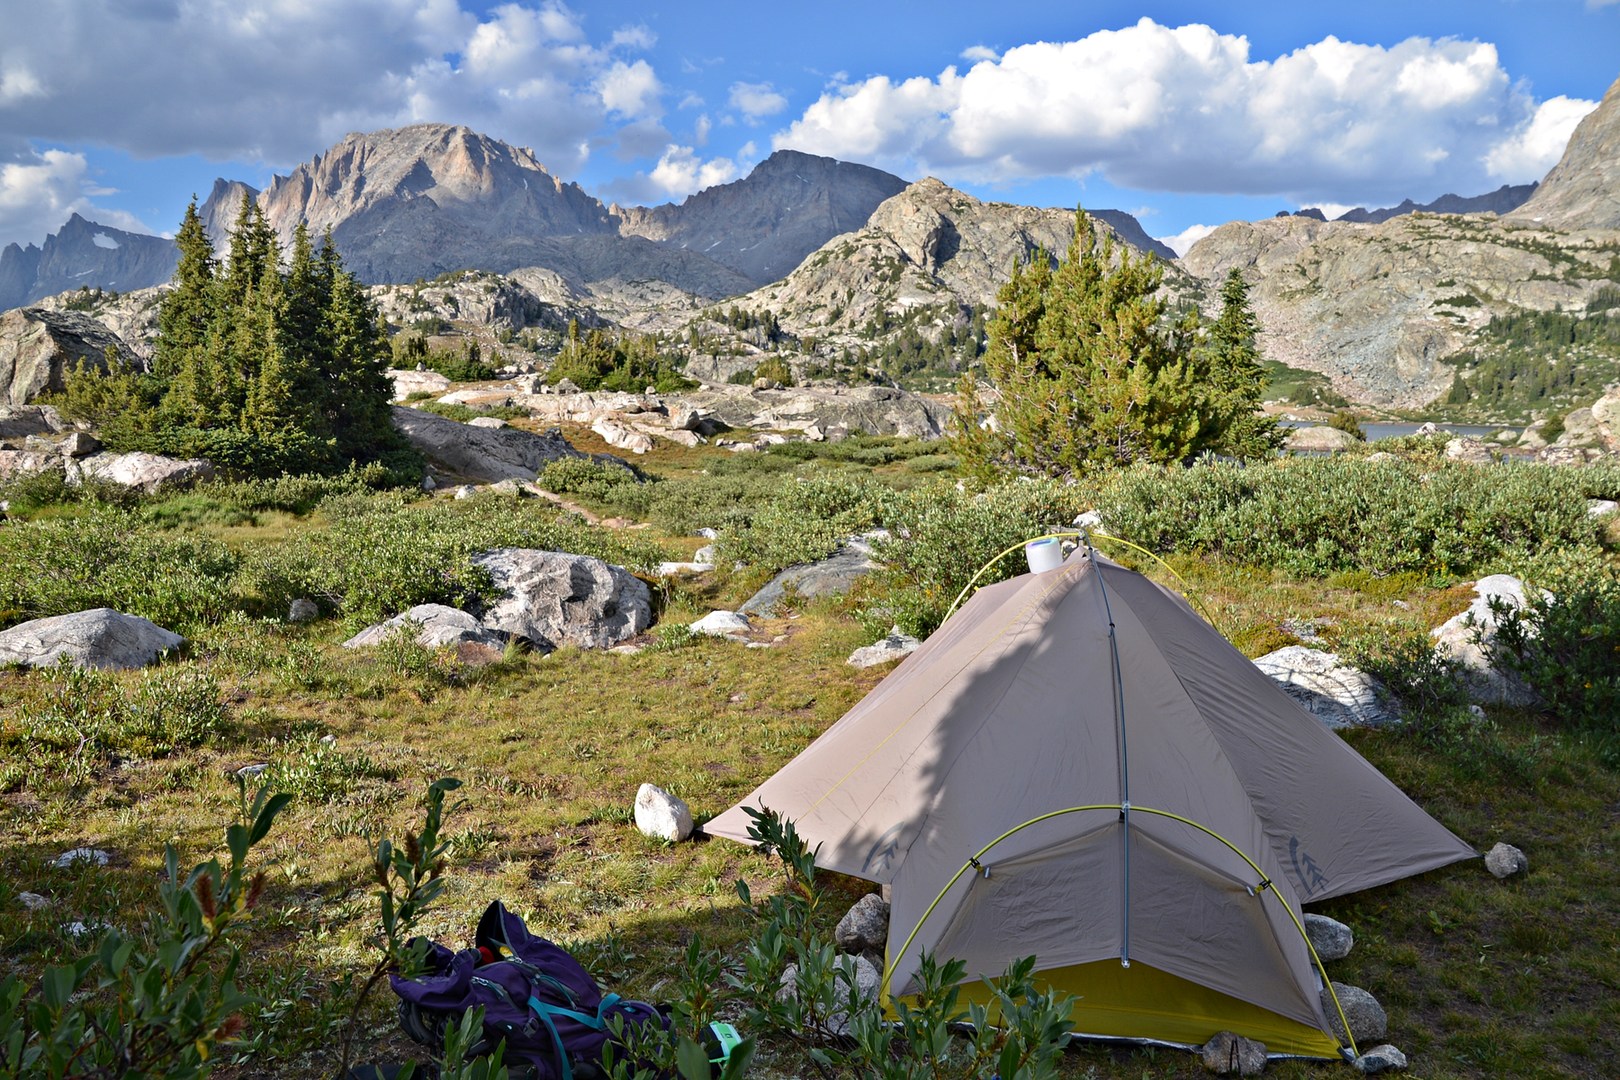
pixel 1142 1002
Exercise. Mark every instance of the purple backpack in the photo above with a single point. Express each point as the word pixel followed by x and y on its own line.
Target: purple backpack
pixel 536 996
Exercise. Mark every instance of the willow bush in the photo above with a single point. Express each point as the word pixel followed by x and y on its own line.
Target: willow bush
pixel 1319 516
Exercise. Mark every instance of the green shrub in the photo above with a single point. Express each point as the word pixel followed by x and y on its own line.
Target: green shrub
pixel 111 558
pixel 1343 420
pixel 87 717
pixel 1318 516
pixel 942 536
pixel 594 480
pixel 163 1003
pixel 319 772
pixel 454 410
pixel 1565 642
pixel 807 520
pixel 383 554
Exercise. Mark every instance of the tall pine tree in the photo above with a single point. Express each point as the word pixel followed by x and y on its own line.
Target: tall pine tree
pixel 1229 368
pixel 265 368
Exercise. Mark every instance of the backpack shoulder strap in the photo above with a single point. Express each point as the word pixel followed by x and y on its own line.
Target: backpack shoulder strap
pixel 547 1012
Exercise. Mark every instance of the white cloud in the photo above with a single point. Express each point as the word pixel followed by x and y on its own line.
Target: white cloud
pixel 680 172
pixel 17 83
pixel 701 128
pixel 38 192
pixel 757 100
pixel 634 37
pixel 630 90
pixel 1536 147
pixel 275 81
pixel 1188 109
pixel 974 53
pixel 1182 242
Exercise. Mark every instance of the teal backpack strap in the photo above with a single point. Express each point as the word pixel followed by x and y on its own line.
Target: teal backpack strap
pixel 546 1011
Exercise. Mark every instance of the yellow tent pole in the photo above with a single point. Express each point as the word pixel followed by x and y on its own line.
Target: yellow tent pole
pixel 1263 887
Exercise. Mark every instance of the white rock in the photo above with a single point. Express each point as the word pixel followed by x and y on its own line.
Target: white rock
pixel 465 491
pixel 32 901
pixel 437 625
pixel 1601 508
pixel 93 856
pixel 552 598
pixel 1505 860
pixel 1382 1058
pixel 147 472
pixel 708 533
pixel 672 569
pixel 893 647
pixel 248 772
pixel 619 435
pixel 661 815
pixel 722 624
pixel 1486 685
pixel 303 610
pixel 1332 691
pixel 99 638
pixel 487 422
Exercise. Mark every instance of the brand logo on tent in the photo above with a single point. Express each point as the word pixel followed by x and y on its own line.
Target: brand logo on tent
pixel 883 850
pixel 1306 871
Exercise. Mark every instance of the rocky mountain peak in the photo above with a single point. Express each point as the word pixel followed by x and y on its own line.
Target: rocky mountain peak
pixel 1583 189
pixel 84 253
pixel 764 225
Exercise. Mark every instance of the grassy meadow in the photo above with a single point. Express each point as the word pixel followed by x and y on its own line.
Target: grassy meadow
pixel 1481 978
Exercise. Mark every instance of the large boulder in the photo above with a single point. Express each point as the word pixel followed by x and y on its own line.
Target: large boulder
pixel 21 421
pixel 1318 439
pixel 551 599
pixel 831 576
pixel 146 472
pixel 38 346
pixel 1469 636
pixel 1334 692
pixel 436 625
pixel 99 638
pixel 407 383
pixel 481 455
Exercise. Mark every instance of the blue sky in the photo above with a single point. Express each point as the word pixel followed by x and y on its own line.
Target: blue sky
pixel 1186 114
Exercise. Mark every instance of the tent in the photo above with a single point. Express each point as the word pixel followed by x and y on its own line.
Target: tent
pixel 1075 766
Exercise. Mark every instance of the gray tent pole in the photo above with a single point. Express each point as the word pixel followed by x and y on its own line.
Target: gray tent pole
pixel 1124 756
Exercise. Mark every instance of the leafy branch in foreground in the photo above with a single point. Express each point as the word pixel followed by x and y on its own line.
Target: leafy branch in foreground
pixel 409 878
pixel 1017 1032
pixel 163 1009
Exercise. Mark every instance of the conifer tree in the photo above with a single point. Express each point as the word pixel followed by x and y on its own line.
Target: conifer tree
pixel 1084 371
pixel 264 368
pixel 1229 367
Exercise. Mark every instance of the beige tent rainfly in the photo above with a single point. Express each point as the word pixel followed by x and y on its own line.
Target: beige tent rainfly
pixel 1077 767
